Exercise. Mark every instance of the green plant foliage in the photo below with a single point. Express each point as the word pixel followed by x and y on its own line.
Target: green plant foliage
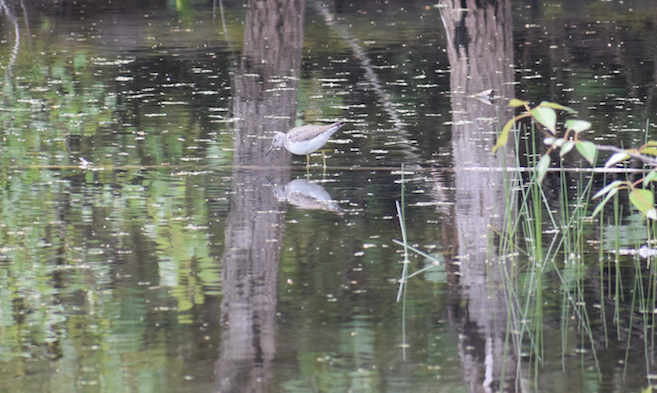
pixel 516 103
pixel 554 142
pixel 651 151
pixel 556 106
pixel 650 177
pixel 542 167
pixel 566 147
pixel 546 116
pixel 616 158
pixel 587 150
pixel 650 148
pixel 578 125
pixel 609 187
pixel 602 204
pixel 504 135
pixel 644 200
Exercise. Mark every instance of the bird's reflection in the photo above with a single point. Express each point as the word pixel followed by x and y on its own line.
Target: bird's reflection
pixel 485 96
pixel 306 195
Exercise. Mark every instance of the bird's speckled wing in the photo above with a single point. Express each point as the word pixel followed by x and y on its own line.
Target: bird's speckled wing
pixel 308 132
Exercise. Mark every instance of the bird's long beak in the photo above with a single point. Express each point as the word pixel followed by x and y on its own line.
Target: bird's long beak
pixel 270 149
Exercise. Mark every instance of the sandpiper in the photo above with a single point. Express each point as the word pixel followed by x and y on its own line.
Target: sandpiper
pixel 305 139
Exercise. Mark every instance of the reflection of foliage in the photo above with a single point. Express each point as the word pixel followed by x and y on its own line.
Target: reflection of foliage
pixel 79 247
pixel 80 272
pixel 63 98
pixel 43 110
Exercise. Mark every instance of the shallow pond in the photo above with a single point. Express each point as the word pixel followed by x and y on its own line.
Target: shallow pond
pixel 147 243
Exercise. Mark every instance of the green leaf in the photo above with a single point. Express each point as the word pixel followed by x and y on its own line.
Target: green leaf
pixel 542 167
pixel 566 147
pixel 515 103
pixel 578 125
pixel 604 202
pixel 556 106
pixel 587 150
pixel 608 187
pixel 546 116
pixel 651 176
pixel 616 158
pixel 552 141
pixel 642 199
pixel 504 135
pixel 651 151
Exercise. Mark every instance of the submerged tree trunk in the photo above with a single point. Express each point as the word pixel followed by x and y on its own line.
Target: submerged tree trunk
pixel 480 51
pixel 264 100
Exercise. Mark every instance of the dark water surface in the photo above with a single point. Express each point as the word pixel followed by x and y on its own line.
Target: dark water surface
pixel 147 244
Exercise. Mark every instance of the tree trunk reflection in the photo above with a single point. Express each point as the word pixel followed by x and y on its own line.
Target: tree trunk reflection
pixel 480 53
pixel 265 99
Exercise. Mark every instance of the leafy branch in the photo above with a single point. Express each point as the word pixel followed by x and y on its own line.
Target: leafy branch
pixel 545 115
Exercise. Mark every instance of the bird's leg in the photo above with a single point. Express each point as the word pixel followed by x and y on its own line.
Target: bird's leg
pixel 324 159
pixel 307 161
